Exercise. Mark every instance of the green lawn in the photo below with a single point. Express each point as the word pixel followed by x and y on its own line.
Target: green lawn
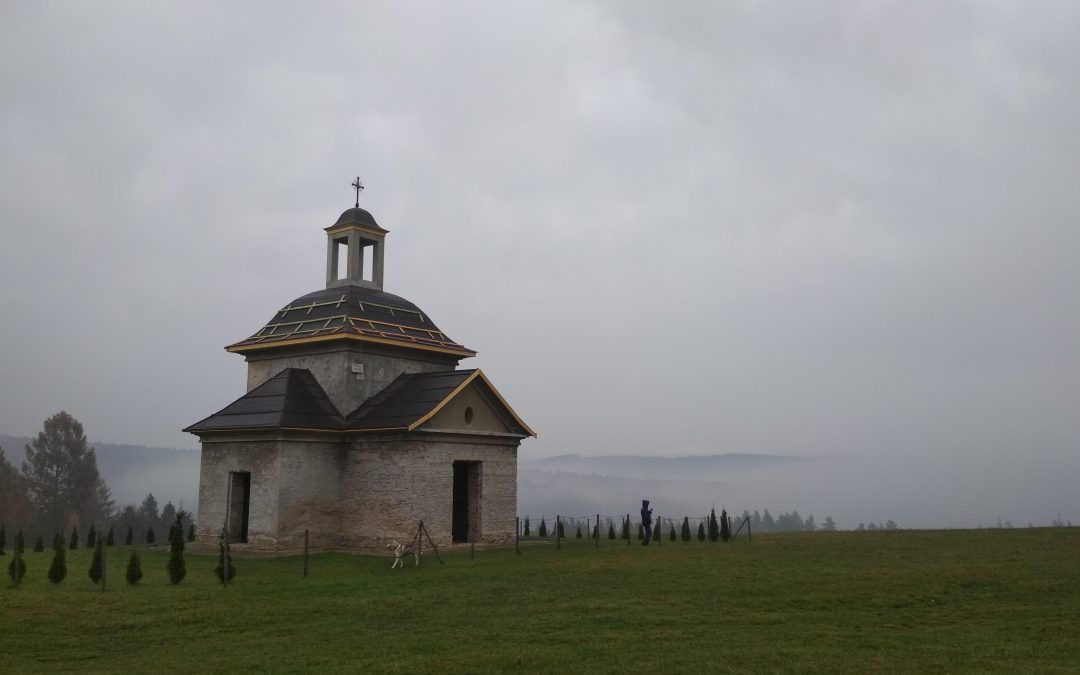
pixel 901 601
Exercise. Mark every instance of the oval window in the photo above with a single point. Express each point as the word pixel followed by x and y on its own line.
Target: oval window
pixel 468 415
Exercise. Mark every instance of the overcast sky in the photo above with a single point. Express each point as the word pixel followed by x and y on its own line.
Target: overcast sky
pixel 845 229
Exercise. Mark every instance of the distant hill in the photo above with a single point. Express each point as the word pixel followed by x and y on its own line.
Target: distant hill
pixel 693 467
pixel 133 471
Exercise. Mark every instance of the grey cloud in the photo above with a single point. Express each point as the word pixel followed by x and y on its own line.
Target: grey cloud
pixel 795 228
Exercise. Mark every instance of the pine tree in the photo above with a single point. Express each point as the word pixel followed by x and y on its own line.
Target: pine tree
pixel 91 537
pixel 17 559
pixel 129 538
pixel 578 531
pixel 149 512
pixel 57 541
pixel 134 569
pixel 561 526
pixel 150 537
pixel 725 528
pixel 168 515
pixel 191 532
pixel 596 531
pixel 714 531
pixel 39 545
pixel 685 529
pixel 219 570
pixel 109 537
pixel 95 563
pixel 624 533
pixel 74 543
pixel 61 474
pixel 673 536
pixel 58 568
pixel 701 531
pixel 3 539
pixel 611 530
pixel 20 542
pixel 543 528
pixel 640 532
pixel 177 568
pixel 767 522
pixel 528 532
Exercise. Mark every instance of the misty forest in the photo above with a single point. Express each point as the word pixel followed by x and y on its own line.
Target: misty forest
pixel 59 492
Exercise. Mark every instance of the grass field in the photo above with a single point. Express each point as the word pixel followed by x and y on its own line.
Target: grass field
pixel 902 601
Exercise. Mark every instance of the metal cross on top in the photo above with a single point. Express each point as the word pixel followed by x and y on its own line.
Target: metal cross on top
pixel 359 188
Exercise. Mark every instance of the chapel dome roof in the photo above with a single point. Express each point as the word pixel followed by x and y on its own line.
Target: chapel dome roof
pixel 356 216
pixel 356 313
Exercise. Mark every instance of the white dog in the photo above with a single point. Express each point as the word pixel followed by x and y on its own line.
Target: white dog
pixel 400 551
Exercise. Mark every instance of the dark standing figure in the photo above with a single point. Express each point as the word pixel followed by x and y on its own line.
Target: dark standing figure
pixel 646 521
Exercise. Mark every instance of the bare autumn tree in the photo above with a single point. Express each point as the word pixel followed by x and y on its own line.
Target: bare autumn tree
pixel 62 479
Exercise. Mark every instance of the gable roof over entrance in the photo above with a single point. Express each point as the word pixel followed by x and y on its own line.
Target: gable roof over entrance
pixel 413 399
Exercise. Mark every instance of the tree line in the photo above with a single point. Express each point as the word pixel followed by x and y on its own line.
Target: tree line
pixel 58 489
pixel 758 521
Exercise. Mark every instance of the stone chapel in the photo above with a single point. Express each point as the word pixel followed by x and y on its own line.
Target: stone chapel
pixel 357 423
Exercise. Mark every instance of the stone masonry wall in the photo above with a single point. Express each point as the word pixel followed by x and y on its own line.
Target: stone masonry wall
pixel 333 370
pixel 390 484
pixel 362 494
pixel 260 458
pixel 310 494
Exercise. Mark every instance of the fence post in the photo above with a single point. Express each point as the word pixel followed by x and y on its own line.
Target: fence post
pixel 659 529
pixel 628 529
pixel 305 553
pixel 225 558
pixel 104 563
pixel 596 532
pixel 15 562
pixel 558 539
pixel 517 534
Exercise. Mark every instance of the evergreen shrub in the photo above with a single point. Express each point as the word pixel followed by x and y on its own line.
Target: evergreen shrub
pixel 58 568
pixel 177 568
pixel 95 563
pixel 17 559
pixel 134 569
